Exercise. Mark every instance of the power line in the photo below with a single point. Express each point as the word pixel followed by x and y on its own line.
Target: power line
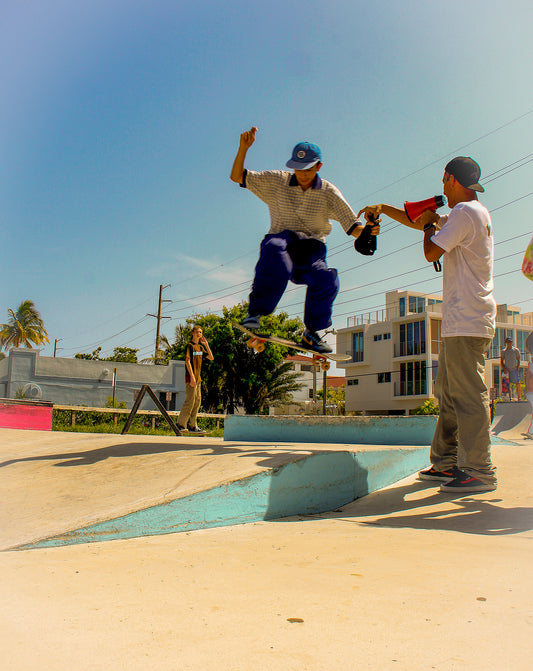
pixel 492 177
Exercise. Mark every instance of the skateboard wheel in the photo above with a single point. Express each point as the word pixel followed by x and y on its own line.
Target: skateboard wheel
pixel 251 342
pixel 260 347
pixel 325 365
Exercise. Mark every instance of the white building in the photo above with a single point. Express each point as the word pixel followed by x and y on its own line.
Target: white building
pixel 395 352
pixel 91 383
pixel 312 381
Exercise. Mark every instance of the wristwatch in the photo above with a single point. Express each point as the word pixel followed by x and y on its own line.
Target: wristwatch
pixel 429 225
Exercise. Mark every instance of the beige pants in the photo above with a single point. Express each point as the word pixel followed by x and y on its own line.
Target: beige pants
pixel 462 435
pixel 189 410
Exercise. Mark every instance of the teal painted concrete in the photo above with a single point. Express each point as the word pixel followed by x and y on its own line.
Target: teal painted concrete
pixel 408 430
pixel 317 483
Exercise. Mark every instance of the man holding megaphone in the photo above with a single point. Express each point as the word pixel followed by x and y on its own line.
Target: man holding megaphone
pixel 460 450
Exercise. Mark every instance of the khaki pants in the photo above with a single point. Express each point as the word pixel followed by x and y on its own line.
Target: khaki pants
pixel 462 435
pixel 189 410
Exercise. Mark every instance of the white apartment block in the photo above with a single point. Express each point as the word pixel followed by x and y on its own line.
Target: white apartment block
pixel 305 400
pixel 395 352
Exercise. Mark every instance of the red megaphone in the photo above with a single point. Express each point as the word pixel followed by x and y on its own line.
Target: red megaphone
pixel 414 210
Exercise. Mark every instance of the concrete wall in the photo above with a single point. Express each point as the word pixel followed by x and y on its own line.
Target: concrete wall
pixel 82 382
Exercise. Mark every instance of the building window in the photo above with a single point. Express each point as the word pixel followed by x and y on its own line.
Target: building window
pixel 306 368
pixel 384 377
pixel 377 337
pixel 402 306
pixel 521 337
pixel 359 346
pixel 413 378
pixel 387 336
pixel 352 381
pixel 413 338
pixel 417 304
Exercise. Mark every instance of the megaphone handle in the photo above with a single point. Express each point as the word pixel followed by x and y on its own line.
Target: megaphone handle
pixel 373 238
pixel 437 265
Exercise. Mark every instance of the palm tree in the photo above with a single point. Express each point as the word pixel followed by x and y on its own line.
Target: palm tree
pixel 23 327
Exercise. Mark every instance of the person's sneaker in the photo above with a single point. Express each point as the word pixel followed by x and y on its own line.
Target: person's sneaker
pixel 433 474
pixel 312 340
pixel 195 429
pixel 251 322
pixel 466 483
pixel 180 427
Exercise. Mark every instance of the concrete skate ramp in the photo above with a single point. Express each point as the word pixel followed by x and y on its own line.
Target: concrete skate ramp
pixel 511 420
pixel 66 488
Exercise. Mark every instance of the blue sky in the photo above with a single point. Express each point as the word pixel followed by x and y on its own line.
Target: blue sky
pixel 120 119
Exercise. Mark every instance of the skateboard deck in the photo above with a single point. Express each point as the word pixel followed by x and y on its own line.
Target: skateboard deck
pixel 257 341
pixel 186 432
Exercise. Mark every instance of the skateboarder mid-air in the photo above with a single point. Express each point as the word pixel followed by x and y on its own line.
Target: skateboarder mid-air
pixel 301 204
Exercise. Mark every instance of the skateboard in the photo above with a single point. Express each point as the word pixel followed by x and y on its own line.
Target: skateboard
pixel 257 342
pixel 187 432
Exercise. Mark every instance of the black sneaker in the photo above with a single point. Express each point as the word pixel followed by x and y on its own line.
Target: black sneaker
pixel 181 428
pixel 313 341
pixel 251 322
pixel 433 474
pixel 466 483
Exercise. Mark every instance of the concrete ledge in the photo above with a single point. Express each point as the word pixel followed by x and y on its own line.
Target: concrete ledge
pixel 411 430
pixel 312 484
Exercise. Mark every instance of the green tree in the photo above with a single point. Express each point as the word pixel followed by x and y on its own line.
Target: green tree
pixel 123 354
pixel 120 354
pixel 94 356
pixel 24 327
pixel 239 376
pixel 335 396
pixel 162 358
pixel 429 407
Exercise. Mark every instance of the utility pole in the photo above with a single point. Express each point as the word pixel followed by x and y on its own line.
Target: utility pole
pixel 159 318
pixel 55 345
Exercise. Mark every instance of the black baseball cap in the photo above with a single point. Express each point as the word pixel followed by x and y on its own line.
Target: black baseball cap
pixel 466 171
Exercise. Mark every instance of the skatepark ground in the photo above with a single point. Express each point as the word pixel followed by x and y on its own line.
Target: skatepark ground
pixel 405 578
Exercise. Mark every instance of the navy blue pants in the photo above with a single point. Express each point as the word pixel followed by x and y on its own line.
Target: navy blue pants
pixel 286 256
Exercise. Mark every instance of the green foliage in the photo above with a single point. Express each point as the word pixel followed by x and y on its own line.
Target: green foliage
pixel 103 422
pixel 429 407
pixel 117 404
pixel 94 356
pixel 24 327
pixel 239 376
pixel 335 396
pixel 120 354
pixel 20 393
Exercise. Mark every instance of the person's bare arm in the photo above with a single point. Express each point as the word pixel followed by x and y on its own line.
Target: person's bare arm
pixel 246 141
pixel 396 213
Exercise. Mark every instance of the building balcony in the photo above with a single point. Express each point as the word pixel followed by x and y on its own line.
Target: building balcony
pixel 409 349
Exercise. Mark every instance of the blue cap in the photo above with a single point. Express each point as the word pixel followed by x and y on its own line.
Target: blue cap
pixel 305 155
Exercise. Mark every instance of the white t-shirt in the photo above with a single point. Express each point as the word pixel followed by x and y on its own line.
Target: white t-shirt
pixel 469 308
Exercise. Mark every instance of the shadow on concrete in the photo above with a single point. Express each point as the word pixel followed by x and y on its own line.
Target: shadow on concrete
pixel 89 457
pixel 465 514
